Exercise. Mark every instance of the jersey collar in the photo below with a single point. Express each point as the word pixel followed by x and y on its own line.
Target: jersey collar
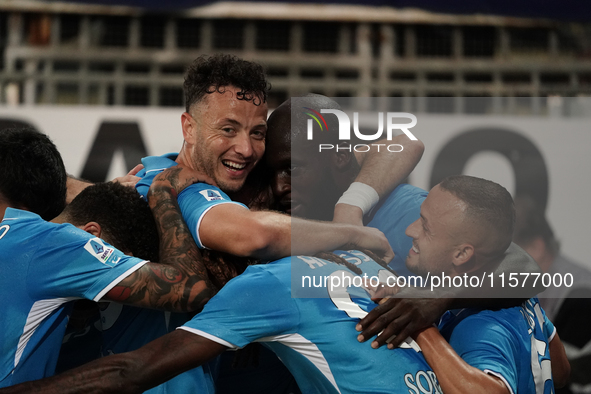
pixel 13 213
pixel 158 163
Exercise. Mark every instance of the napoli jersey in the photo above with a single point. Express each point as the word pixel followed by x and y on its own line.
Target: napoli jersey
pixel 401 208
pixel 314 337
pixel 46 265
pixel 511 344
pixel 126 328
pixel 195 201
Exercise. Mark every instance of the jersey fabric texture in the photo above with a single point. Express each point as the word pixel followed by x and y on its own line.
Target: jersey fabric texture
pixel 401 208
pixel 314 337
pixel 195 201
pixel 126 328
pixel 511 344
pixel 46 265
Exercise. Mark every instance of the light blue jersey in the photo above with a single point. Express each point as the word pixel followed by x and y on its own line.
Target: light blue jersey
pixel 195 201
pixel 511 344
pixel 401 208
pixel 126 328
pixel 314 337
pixel 44 266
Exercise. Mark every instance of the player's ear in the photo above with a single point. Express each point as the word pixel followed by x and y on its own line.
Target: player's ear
pixel 92 228
pixel 462 254
pixel 188 127
pixel 341 158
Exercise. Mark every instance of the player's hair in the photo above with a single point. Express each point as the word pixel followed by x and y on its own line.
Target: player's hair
pixel 209 74
pixel 488 204
pixel 531 223
pixel 33 173
pixel 315 102
pixel 125 218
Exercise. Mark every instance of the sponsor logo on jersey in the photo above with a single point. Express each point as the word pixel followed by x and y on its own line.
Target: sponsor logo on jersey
pixel 102 252
pixel 211 195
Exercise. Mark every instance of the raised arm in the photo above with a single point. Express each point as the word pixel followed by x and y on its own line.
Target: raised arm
pixel 180 281
pixel 383 171
pixel 132 372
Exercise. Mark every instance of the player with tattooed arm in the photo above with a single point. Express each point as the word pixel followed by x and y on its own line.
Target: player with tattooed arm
pixel 49 264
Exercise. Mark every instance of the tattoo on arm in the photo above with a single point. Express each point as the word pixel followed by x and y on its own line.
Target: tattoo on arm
pixel 180 282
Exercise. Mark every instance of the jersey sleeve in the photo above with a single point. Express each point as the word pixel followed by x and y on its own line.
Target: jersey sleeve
pixel 73 263
pixel 252 306
pixel 195 201
pixel 488 346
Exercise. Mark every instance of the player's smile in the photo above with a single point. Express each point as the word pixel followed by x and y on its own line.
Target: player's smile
pixel 237 169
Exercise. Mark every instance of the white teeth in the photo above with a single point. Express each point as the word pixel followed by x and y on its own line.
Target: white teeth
pixel 234 165
pixel 415 249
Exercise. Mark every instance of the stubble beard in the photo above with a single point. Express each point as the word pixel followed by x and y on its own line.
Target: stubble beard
pixel 208 168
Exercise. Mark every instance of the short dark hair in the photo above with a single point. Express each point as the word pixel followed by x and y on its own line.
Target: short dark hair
pixel 531 223
pixel 125 218
pixel 208 74
pixel 309 102
pixel 33 173
pixel 488 203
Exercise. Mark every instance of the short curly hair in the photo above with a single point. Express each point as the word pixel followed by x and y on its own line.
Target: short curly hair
pixel 208 74
pixel 125 218
pixel 33 173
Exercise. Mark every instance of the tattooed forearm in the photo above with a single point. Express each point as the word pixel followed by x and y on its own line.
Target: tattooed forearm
pixel 180 282
pixel 176 242
pixel 177 251
pixel 162 287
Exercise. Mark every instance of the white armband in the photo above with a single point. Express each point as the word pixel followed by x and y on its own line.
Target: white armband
pixel 360 195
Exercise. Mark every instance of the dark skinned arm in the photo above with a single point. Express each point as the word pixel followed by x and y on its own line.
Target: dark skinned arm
pixel 455 376
pixel 132 372
pixel 413 309
pixel 180 281
pixel 560 363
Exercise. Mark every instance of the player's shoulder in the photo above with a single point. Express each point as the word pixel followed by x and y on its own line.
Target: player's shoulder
pixel 205 192
pixel 476 324
pixel 403 197
pixel 20 226
pixel 156 164
pixel 18 216
pixel 404 190
pixel 278 269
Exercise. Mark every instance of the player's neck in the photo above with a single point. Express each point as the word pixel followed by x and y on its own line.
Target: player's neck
pixel 184 158
pixel 3 209
pixel 4 205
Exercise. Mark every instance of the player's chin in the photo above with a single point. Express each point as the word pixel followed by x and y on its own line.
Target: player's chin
pixel 411 263
pixel 231 185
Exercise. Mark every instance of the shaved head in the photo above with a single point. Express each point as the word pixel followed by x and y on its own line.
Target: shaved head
pixel 306 180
